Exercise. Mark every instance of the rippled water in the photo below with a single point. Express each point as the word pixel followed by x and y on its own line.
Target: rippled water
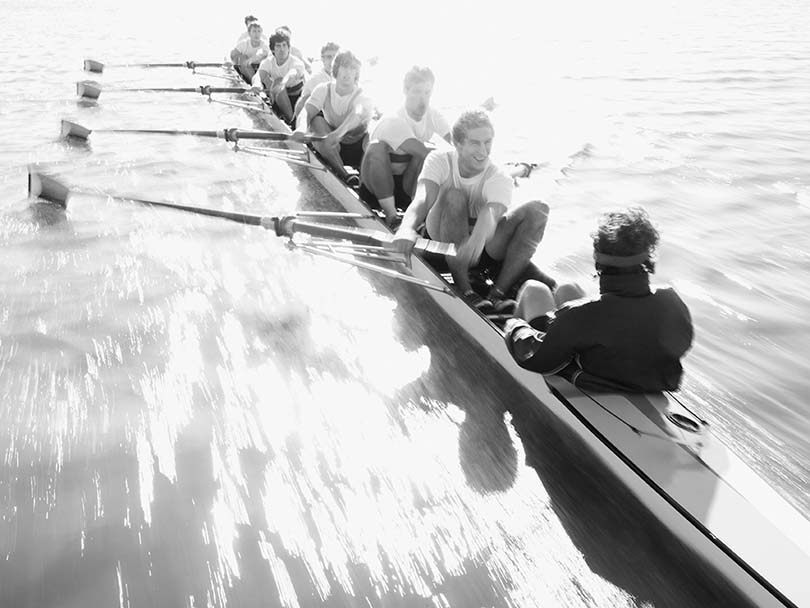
pixel 194 415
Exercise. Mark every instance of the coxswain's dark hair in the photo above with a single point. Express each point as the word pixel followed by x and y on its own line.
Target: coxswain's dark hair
pixel 345 59
pixel 276 38
pixel 416 75
pixel 469 120
pixel 248 19
pixel 624 242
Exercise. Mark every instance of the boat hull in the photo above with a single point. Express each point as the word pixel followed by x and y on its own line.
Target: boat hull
pixel 705 495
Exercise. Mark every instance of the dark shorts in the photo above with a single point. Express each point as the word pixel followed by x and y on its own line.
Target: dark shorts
pixel 483 274
pixel 352 154
pixel 401 198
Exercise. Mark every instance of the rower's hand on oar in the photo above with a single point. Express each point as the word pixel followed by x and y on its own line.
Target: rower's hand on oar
pixel 404 245
pixel 299 136
pixel 332 140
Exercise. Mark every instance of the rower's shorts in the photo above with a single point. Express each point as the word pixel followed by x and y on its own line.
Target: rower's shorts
pixel 352 154
pixel 401 198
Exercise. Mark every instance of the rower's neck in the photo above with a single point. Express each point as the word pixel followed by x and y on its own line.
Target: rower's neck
pixel 342 91
pixel 466 173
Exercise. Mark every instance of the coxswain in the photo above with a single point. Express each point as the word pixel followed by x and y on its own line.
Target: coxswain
pixel 629 338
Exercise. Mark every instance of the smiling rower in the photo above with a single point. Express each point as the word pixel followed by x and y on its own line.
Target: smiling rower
pixel 462 197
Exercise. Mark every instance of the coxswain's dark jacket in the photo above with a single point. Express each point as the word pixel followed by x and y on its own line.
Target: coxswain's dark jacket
pixel 630 338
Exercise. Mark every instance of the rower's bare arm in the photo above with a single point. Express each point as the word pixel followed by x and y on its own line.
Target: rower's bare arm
pixel 426 194
pixel 236 56
pixel 485 224
pixel 260 80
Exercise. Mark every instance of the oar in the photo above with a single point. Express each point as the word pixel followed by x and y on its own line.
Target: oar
pixel 89 89
pixel 49 188
pixel 97 67
pixel 75 130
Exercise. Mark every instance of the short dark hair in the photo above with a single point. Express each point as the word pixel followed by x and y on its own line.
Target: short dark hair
pixel 416 75
pixel 345 59
pixel 254 24
pixel 624 233
pixel 468 120
pixel 276 38
pixel 250 18
pixel 330 46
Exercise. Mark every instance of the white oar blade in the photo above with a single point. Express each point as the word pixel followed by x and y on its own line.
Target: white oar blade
pixel 75 130
pixel 88 89
pixel 46 187
pixel 95 67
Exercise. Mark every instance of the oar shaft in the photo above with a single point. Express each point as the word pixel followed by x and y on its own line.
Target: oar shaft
pixel 91 65
pixel 205 90
pixel 90 89
pixel 161 132
pixel 242 218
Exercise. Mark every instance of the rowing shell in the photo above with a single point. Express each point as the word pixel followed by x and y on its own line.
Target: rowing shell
pixel 660 449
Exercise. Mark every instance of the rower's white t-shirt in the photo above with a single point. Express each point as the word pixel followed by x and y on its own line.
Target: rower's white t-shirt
pixel 255 54
pixel 313 82
pixel 491 186
pixel 399 127
pixel 339 103
pixel 271 67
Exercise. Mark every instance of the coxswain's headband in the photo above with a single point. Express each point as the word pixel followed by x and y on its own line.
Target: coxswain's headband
pixel 621 261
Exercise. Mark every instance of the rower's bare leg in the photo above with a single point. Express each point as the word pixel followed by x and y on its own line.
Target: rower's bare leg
pixel 448 221
pixel 411 175
pixel 282 101
pixel 319 126
pixel 516 239
pixel 535 299
pixel 376 174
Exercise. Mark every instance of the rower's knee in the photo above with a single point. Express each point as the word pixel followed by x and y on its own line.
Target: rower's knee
pixel 536 212
pixel 533 218
pixel 567 292
pixel 534 299
pixel 375 161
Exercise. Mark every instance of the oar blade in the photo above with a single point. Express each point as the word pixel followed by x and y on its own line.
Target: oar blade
pixel 47 187
pixel 88 89
pixel 74 130
pixel 95 67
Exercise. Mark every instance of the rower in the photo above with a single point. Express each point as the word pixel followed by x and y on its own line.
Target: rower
pixel 281 76
pixel 630 338
pixel 399 145
pixel 340 111
pixel 294 50
pixel 463 198
pixel 249 52
pixel 328 52
pixel 246 34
